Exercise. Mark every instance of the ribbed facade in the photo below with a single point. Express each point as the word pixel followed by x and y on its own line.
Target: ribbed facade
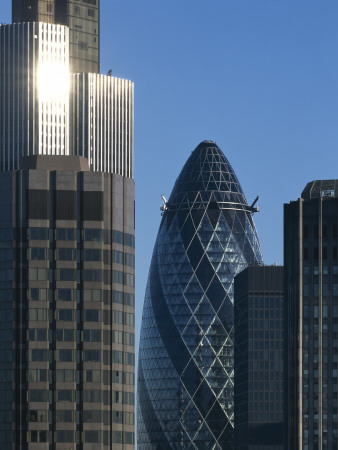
pixel 34 92
pixel 311 317
pixel 102 111
pixel 185 378
pixel 67 308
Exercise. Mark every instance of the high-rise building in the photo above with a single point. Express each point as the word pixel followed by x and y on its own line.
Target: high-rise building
pixel 185 378
pixel 311 308
pixel 45 110
pixel 82 17
pixel 66 237
pixel 34 84
pixel 258 353
pixel 101 129
pixel 67 306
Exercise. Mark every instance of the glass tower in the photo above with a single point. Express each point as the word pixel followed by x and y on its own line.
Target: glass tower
pixel 311 308
pixel 185 378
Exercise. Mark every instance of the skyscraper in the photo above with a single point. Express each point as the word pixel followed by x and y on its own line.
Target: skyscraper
pixel 66 242
pixel 82 17
pixel 185 378
pixel 46 110
pixel 258 351
pixel 311 308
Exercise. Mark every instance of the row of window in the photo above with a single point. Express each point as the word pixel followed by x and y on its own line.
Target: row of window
pixel 92 416
pixel 326 231
pixel 70 355
pixel 67 436
pixel 70 254
pixel 89 275
pixel 68 396
pixel 89 295
pixel 63 315
pixel 71 234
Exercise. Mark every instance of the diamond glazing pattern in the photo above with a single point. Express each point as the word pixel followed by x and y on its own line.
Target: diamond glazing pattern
pixel 185 379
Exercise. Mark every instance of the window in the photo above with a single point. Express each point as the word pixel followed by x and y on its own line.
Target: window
pixel 65 274
pixel 37 355
pixel 65 395
pixel 37 314
pixel 62 335
pixel 35 274
pixel 91 13
pixel 65 295
pixel 37 375
pixel 65 254
pixel 38 415
pixel 117 276
pixel 129 240
pixel 93 295
pixel 92 315
pixel 37 254
pixel 92 335
pixel 64 375
pixel 37 294
pixel 93 254
pixel 37 334
pixel 64 416
pixel 129 319
pixel 129 299
pixel 64 436
pixel 129 279
pixel 118 297
pixel 118 237
pixel 118 257
pixel 93 275
pixel 93 234
pixel 93 376
pixel 118 317
pixel 65 315
pixel 93 436
pixel 92 396
pixel 37 234
pixel 64 355
pixel 37 395
pixel 65 234
pixel 92 355
pixel 129 259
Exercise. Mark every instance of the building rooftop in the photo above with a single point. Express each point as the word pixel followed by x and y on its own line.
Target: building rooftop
pixel 55 162
pixel 321 188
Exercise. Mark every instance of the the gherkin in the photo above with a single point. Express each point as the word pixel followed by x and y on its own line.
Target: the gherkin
pixel 185 378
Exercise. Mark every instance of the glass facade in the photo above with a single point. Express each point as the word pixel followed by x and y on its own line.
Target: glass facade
pixel 185 379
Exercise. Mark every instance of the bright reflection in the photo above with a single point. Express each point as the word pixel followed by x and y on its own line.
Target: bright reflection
pixel 53 82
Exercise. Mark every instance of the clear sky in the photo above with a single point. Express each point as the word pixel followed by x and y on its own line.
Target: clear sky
pixel 259 77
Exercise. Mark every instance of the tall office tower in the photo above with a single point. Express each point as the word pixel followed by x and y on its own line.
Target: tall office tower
pixel 67 307
pixel 185 378
pixel 311 307
pixel 101 110
pixel 34 86
pixel 258 354
pixel 81 16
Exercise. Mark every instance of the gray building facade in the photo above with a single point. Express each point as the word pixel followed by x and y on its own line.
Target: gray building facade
pixel 258 358
pixel 67 300
pixel 311 317
pixel 81 16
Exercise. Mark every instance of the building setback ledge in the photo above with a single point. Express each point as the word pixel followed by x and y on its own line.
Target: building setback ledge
pixel 55 162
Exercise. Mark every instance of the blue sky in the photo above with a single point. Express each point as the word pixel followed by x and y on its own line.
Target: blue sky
pixel 259 77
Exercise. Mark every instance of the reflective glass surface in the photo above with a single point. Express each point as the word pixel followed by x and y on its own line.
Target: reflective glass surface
pixel 185 379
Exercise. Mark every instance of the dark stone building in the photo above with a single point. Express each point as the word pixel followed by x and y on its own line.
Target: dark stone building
pixel 311 308
pixel 67 307
pixel 258 353
pixel 81 16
